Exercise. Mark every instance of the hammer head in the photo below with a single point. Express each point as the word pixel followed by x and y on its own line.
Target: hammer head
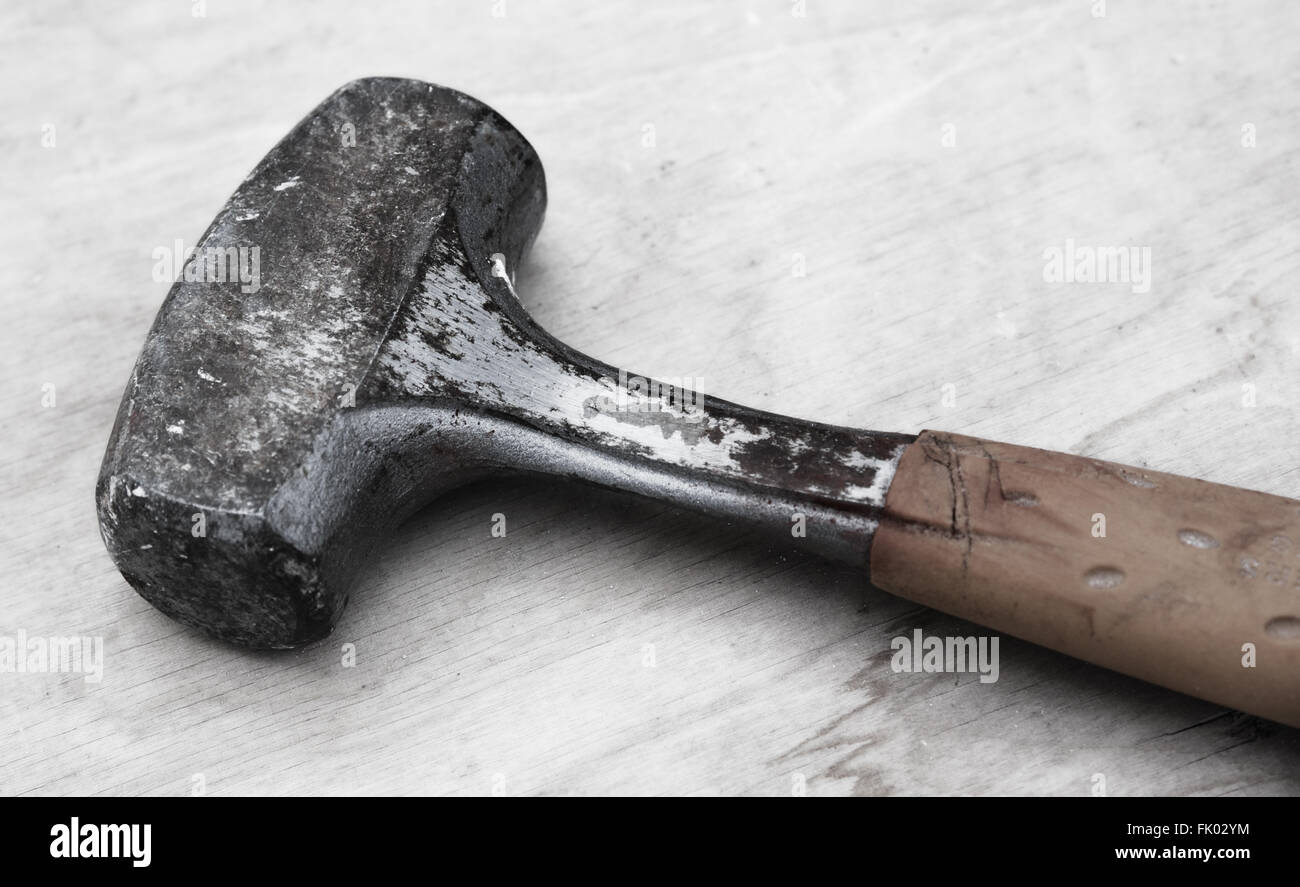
pixel 253 461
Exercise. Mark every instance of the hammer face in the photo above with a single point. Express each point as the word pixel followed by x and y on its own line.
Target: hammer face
pixel 261 346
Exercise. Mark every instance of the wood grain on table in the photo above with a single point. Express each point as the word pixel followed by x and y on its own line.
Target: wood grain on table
pixel 913 161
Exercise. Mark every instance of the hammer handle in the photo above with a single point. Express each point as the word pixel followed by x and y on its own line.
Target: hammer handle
pixel 1187 584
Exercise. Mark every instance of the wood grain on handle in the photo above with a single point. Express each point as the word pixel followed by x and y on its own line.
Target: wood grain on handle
pixel 1186 574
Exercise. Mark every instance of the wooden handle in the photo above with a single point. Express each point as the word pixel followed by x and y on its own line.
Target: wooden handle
pixel 1161 577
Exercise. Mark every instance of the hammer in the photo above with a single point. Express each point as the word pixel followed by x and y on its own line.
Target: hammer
pixel 345 344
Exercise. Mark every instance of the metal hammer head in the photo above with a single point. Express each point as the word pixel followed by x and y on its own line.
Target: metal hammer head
pixel 258 450
pixel 279 423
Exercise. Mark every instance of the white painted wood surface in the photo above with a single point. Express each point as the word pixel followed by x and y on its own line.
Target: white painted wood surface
pixel 694 154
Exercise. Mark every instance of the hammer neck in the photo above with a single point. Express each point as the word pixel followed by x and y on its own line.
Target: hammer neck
pixel 462 342
pixel 816 487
